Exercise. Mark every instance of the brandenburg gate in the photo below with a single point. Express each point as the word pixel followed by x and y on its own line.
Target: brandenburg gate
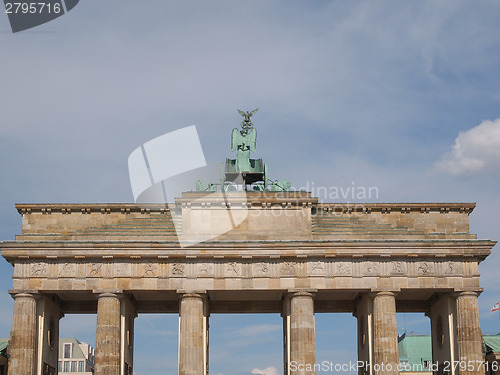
pixel 284 253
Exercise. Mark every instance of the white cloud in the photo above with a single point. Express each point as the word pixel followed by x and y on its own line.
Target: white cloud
pixel 475 151
pixel 267 371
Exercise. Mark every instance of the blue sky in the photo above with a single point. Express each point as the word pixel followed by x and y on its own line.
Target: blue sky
pixel 403 96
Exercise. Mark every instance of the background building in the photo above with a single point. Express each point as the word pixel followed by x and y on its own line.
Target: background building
pixel 75 357
pixel 415 354
pixel 492 353
pixel 4 343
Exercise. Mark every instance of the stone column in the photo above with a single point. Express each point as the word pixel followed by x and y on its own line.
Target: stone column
pixel 302 341
pixel 107 345
pixel 193 340
pixel 385 334
pixel 469 336
pixel 23 337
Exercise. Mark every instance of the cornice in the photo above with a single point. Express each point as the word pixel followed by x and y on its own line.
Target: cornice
pixel 405 208
pixel 472 249
pixel 281 201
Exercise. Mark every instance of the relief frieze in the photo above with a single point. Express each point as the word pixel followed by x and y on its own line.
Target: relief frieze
pixel 205 269
pixel 344 269
pixel 178 269
pixel 370 268
pixel 232 269
pixel 66 270
pixel 398 267
pixel 150 269
pixel 453 268
pixel 260 269
pixel 38 269
pixel 425 268
pixel 94 270
pixel 316 268
pixel 288 268
pixel 122 270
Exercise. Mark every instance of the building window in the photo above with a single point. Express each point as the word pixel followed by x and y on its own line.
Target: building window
pixel 81 366
pixel 59 366
pixel 73 366
pixel 66 366
pixel 67 350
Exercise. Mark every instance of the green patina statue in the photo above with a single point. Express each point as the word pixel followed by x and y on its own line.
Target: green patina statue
pixel 243 170
pixel 244 141
pixel 243 167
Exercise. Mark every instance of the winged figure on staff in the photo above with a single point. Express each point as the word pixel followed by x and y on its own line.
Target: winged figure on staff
pixel 244 141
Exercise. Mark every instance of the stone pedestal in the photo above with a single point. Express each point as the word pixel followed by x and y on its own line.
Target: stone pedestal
pixel 385 333
pixel 193 334
pixel 107 351
pixel 301 337
pixel 22 343
pixel 469 336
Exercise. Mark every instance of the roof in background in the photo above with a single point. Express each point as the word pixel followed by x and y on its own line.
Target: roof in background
pixel 4 343
pixel 415 348
pixel 492 342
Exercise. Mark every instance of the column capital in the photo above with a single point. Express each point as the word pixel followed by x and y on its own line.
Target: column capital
pixel 378 293
pixel 202 294
pixel 20 293
pixel 467 293
pixel 108 293
pixel 302 293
